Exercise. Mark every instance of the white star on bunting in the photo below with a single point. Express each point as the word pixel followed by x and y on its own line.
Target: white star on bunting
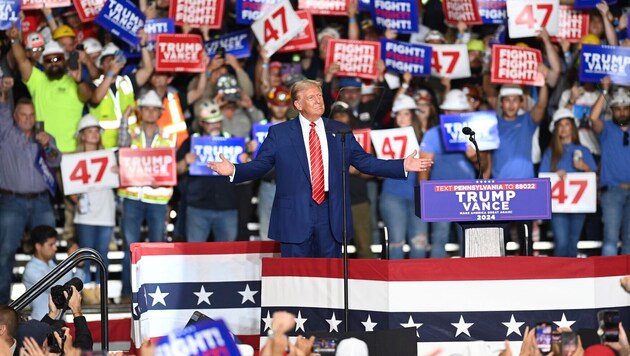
pixel 248 294
pixel 158 297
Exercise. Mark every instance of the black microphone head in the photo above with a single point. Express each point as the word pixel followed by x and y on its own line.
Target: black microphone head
pixel 468 131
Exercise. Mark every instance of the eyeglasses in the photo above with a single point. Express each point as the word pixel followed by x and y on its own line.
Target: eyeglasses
pixel 53 60
pixel 37 49
pixel 626 138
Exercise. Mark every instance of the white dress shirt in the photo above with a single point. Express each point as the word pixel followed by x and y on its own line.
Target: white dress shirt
pixel 321 132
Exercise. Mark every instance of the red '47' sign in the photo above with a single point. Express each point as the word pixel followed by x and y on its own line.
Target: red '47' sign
pixel 88 171
pixel 526 18
pixel 394 143
pixel 576 193
pixel 363 138
pixel 279 25
pixel 147 166
pixel 450 61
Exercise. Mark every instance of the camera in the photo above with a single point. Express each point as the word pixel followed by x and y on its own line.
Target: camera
pixel 57 292
pixel 53 345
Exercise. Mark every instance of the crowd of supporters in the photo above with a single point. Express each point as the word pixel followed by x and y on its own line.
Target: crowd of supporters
pixel 68 87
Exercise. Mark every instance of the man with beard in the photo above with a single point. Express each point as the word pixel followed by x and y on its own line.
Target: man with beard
pixel 615 168
pixel 58 93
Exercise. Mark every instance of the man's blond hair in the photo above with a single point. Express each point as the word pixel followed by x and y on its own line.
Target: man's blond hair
pixel 301 86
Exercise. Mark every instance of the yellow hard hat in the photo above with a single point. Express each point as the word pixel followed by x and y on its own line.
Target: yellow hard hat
pixel 63 31
pixel 591 39
pixel 476 45
pixel 522 45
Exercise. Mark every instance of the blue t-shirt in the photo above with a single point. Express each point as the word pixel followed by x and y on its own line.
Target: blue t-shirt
pixel 566 161
pixel 513 158
pixel 446 165
pixel 400 187
pixel 615 156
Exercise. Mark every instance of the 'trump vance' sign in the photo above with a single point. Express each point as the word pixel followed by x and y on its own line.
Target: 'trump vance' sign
pixel 597 62
pixel 123 19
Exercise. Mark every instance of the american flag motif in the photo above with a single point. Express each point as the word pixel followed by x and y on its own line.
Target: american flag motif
pixel 220 279
pixel 450 302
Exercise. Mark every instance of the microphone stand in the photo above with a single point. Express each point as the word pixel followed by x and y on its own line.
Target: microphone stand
pixel 344 170
pixel 474 141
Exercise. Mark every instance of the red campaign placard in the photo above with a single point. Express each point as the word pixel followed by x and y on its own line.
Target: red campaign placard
pixel 325 7
pixel 355 58
pixel 461 10
pixel 179 53
pixel 197 12
pixel 88 9
pixel 516 65
pixel 572 24
pixel 147 166
pixel 363 138
pixel 304 40
pixel 38 4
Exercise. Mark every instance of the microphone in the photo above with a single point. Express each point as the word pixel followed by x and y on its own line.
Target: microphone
pixel 468 131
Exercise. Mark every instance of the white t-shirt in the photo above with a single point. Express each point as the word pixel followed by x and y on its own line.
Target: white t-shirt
pixel 96 208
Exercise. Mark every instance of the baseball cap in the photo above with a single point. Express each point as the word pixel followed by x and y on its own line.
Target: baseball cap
pixel 345 82
pixel 455 100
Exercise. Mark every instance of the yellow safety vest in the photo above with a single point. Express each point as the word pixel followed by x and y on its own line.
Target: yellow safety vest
pixel 111 109
pixel 147 194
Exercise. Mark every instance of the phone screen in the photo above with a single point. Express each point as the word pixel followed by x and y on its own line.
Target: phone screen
pixel 609 325
pixel 325 346
pixel 543 336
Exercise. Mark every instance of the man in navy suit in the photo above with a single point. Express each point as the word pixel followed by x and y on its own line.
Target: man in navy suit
pixel 307 212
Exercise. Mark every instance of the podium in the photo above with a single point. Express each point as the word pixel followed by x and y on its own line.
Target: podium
pixel 484 208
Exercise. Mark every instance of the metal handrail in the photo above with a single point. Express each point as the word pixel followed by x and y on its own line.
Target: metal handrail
pixel 59 271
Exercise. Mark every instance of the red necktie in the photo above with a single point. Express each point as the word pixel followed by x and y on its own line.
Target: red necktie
pixel 317 165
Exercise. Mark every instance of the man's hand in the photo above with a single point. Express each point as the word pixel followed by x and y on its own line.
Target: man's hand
pixel 413 164
pixel 53 312
pixel 190 158
pixel 43 139
pixel 7 84
pixel 13 33
pixel 74 303
pixel 224 167
pixel 625 283
pixel 622 347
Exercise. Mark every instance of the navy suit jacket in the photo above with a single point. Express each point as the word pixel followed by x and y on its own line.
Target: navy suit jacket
pixel 285 150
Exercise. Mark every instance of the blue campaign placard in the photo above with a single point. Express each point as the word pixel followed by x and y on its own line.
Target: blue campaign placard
pixel 208 148
pixel 402 57
pixel 153 27
pixel 9 13
pixel 483 123
pixel 597 62
pixel 492 12
pixel 364 5
pixel 235 43
pixel 485 200
pixel 259 133
pixel 248 11
pixel 581 111
pixel 202 338
pixel 590 4
pixel 398 15
pixel 123 19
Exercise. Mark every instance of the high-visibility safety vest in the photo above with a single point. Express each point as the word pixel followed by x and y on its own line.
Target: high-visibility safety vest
pixel 111 109
pixel 147 194
pixel 172 119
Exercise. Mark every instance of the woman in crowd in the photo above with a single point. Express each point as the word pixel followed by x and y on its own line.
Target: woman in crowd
pixel 566 155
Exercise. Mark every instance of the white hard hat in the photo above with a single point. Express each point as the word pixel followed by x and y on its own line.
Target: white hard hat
pixel 511 90
pixel 109 50
pixel 92 45
pixel 560 114
pixel 150 99
pixel 352 347
pixel 620 98
pixel 85 122
pixel 52 47
pixel 404 102
pixel 455 100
